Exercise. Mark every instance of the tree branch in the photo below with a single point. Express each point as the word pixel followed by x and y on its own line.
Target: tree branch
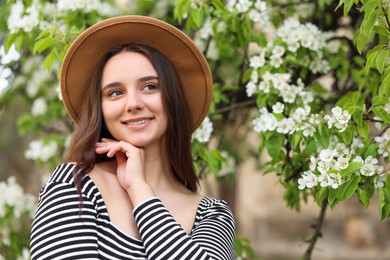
pixel 317 231
pixel 235 106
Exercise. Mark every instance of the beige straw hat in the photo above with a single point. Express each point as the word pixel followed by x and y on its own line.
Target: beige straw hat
pixel 85 52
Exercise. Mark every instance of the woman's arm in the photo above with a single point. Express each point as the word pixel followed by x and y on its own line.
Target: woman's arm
pixel 163 237
pixel 62 228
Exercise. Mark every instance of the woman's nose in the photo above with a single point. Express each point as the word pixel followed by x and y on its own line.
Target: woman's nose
pixel 134 101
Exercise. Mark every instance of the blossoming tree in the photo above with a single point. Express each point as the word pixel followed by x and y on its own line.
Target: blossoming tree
pixel 307 76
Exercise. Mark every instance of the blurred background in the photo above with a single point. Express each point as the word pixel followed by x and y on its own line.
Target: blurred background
pixel 35 128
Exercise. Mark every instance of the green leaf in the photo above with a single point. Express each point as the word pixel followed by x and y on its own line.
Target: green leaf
pixel 214 160
pixel 348 134
pixel 364 129
pixel 368 24
pixel 19 42
pixel 358 116
pixel 384 89
pixel 384 203
pixel 322 136
pixel 381 30
pixel 49 60
pixel 181 7
pixel 381 60
pixel 197 16
pixel 332 199
pixel 377 100
pixel 320 195
pixel 296 141
pixel 42 45
pixel 361 41
pixel 347 5
pixel 274 145
pixel 352 167
pixel 371 150
pixel 363 197
pixel 371 57
pixel 382 113
pixel 310 148
pixel 10 40
pixel 219 5
pixel 348 188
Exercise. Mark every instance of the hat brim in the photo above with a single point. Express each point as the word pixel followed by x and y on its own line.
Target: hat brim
pixel 86 51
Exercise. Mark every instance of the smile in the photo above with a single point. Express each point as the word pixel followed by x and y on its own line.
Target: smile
pixel 137 122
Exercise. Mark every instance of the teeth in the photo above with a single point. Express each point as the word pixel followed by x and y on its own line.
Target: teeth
pixel 137 122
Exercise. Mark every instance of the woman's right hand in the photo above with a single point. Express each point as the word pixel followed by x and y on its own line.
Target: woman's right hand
pixel 130 167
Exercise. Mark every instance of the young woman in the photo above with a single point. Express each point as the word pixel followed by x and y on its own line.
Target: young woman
pixel 136 88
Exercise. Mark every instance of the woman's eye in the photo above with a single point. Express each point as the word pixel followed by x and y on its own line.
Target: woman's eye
pixel 114 93
pixel 149 87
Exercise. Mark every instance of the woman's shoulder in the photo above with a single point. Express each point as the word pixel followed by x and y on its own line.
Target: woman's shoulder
pixel 212 209
pixel 211 205
pixel 63 173
pixel 63 178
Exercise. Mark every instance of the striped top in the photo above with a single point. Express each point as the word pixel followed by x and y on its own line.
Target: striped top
pixel 61 229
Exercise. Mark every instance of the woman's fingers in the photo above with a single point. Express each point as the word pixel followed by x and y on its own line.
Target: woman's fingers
pixel 112 147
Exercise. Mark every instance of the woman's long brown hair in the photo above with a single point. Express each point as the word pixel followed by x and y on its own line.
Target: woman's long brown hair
pixel 91 128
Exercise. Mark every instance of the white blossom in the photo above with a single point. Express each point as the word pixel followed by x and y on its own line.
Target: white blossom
pixel 212 51
pixel 339 119
pixel 313 163
pixel 358 159
pixel 276 61
pixel 207 30
pixel 251 88
pixel 326 155
pixel 308 130
pixel 383 145
pixel 301 113
pixel 325 180
pixel 228 167
pixel 5 77
pixel 22 18
pixel 278 51
pixel 286 125
pixel 13 195
pixel 257 61
pixel 203 133
pixel 10 56
pixel 323 167
pixel 342 163
pixel 265 86
pixel 38 150
pixel 306 97
pixel 25 254
pixel 308 180
pixel 333 46
pixel 39 107
pixel 278 108
pixel 314 119
pixel 379 181
pixel 378 125
pixel 243 6
pixel 265 122
pixel 87 6
pixel 367 170
pixel 254 76
pixel 255 15
pixel 336 180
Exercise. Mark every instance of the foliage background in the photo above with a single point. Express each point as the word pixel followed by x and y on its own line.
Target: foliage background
pixel 309 78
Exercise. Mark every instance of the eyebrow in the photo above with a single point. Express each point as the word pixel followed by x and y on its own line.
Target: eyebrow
pixel 140 80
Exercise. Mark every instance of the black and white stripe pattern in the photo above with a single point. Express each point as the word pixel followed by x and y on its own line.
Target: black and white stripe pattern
pixel 63 230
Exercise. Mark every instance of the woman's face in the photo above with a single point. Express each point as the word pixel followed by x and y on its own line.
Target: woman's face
pixel 132 100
